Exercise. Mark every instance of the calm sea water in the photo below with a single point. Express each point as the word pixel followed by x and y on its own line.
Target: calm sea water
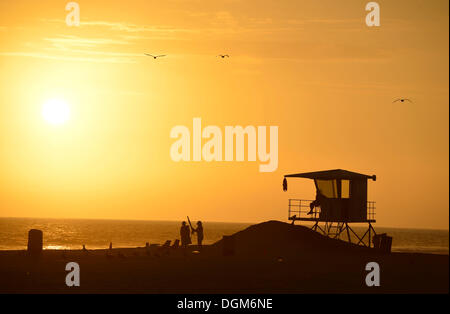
pixel 95 234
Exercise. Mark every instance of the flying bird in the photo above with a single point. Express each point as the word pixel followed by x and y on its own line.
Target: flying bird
pixel 154 57
pixel 223 56
pixel 402 100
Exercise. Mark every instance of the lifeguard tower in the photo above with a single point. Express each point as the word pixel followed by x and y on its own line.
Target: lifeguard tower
pixel 341 199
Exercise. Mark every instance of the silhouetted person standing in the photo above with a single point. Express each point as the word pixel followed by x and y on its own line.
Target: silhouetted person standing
pixel 185 234
pixel 199 231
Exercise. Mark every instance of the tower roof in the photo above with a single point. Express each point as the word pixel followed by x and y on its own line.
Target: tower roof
pixel 332 174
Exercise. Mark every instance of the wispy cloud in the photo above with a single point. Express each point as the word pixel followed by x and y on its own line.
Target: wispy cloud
pixel 97 53
pixel 129 27
pixel 40 55
pixel 255 35
pixel 75 48
pixel 84 42
pixel 133 28
pixel 221 22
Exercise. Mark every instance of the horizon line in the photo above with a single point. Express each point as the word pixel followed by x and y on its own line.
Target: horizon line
pixel 210 221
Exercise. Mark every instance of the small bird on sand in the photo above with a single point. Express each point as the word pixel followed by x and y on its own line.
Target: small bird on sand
pixel 402 100
pixel 153 56
pixel 224 56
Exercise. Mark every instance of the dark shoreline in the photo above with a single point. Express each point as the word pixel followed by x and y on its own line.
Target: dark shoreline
pixel 272 257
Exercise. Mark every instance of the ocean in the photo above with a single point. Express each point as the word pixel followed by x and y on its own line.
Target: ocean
pixel 97 234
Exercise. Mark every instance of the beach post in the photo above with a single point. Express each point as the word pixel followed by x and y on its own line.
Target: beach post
pixel 382 242
pixel 35 242
pixel 387 245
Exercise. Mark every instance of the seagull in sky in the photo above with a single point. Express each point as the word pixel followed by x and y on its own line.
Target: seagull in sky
pixel 402 100
pixel 223 56
pixel 154 57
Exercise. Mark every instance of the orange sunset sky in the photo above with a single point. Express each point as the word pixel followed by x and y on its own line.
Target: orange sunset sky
pixel 313 68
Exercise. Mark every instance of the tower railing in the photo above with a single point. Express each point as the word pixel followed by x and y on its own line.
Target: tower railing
pixel 371 210
pixel 299 209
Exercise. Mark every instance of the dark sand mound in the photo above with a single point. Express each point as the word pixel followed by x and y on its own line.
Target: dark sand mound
pixel 271 257
pixel 279 238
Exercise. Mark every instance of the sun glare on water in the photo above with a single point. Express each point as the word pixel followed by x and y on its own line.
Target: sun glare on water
pixel 56 111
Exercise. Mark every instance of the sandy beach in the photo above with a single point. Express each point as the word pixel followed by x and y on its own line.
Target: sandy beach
pixel 271 257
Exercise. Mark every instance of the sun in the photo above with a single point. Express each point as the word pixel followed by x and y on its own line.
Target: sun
pixel 56 111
